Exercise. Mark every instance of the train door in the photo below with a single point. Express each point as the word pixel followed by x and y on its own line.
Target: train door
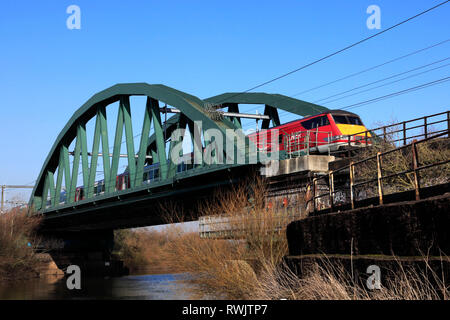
pixel 316 132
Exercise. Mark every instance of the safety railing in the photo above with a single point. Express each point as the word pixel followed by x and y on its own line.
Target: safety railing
pixel 404 132
pixel 373 174
pixel 238 226
pixel 304 142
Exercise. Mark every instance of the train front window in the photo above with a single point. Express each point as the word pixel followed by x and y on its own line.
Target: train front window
pixel 340 119
pixel 347 120
pixel 355 121
pixel 315 123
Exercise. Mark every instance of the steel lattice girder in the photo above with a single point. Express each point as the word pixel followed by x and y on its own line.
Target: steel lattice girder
pixel 192 109
pixel 272 102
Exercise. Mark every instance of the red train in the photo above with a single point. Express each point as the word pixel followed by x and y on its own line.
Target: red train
pixel 321 133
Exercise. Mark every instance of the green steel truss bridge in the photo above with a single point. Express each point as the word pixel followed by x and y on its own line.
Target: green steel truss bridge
pixel 73 161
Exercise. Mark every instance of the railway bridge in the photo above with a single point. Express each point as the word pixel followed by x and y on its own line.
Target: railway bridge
pixel 82 205
pixel 188 150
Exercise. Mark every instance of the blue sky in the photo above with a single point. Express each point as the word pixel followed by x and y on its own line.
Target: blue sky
pixel 204 48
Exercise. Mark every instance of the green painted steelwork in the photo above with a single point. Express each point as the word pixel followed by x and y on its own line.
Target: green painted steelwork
pixel 272 103
pixel 192 109
pixel 277 101
pixel 152 149
pixel 143 144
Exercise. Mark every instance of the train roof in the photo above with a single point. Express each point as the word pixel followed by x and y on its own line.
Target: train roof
pixel 341 112
pixel 332 112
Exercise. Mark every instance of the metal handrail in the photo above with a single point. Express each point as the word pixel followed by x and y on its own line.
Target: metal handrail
pixel 302 141
pixel 404 129
pixel 415 169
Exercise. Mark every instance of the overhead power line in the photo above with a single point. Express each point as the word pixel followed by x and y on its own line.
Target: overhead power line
pixel 373 67
pixel 281 113
pixel 341 50
pixel 384 79
pixel 398 93
pixel 361 72
pixel 389 83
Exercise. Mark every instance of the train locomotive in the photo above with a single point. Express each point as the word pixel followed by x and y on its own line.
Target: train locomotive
pixel 329 131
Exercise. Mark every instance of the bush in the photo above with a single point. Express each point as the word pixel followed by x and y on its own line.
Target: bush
pixel 17 244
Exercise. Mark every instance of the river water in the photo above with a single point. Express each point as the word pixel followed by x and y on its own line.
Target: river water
pixel 140 286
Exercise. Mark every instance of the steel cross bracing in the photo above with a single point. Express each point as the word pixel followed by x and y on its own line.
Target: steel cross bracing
pixel 155 143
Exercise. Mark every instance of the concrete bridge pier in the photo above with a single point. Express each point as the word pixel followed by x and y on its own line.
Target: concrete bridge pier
pixel 90 250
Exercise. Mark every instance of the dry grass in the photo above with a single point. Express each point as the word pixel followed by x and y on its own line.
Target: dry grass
pixel 17 258
pixel 144 249
pixel 331 281
pixel 429 152
pixel 252 267
pixel 221 268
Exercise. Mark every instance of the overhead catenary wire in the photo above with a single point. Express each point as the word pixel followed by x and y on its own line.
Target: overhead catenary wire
pixel 360 72
pixel 371 68
pixel 384 79
pixel 340 50
pixel 394 94
pixel 380 80
pixel 284 113
pixel 389 83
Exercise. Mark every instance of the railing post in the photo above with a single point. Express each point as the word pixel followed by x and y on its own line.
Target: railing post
pixel 3 199
pixel 415 165
pixel 348 151
pixel 331 188
pixel 448 123
pixel 425 127
pixel 317 136
pixel 352 198
pixel 307 143
pixel 287 144
pixel 384 134
pixel 314 194
pixel 379 176
pixel 329 142
pixel 365 141
pixel 404 133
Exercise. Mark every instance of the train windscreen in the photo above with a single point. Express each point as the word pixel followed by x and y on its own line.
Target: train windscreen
pixel 315 122
pixel 347 120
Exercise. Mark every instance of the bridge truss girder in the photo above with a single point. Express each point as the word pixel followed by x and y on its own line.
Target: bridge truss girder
pixel 152 147
pixel 57 163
